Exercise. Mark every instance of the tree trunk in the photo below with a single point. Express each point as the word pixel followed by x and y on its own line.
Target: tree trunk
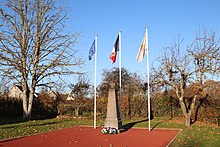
pixel 185 112
pixel 25 98
pixel 30 104
pixel 129 106
pixel 26 111
pixel 188 119
pixel 190 110
pixel 27 102
pixel 77 112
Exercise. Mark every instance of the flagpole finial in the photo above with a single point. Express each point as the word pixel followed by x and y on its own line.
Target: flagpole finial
pixel 146 27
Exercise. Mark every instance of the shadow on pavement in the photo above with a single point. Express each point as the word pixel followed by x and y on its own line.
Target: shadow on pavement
pixel 128 126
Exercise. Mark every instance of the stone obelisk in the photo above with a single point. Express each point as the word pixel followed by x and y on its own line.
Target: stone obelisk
pixel 113 117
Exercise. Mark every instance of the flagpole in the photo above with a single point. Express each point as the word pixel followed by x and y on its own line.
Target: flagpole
pixel 96 51
pixel 148 81
pixel 120 74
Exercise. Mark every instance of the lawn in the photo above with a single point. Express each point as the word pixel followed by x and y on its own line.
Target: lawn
pixel 197 135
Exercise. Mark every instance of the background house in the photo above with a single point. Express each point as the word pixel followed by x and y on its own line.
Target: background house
pixel 15 92
pixel 54 95
pixel 70 98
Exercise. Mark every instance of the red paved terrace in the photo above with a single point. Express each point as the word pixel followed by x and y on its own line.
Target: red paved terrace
pixel 81 136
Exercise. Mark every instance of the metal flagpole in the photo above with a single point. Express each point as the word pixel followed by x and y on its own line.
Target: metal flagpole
pixel 120 74
pixel 96 51
pixel 148 81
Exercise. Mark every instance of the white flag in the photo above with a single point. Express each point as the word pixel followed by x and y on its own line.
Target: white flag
pixel 143 48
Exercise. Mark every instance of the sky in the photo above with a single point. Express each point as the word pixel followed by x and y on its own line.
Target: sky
pixel 166 20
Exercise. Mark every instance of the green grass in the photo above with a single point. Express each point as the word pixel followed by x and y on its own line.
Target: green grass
pixel 13 130
pixel 201 135
pixel 196 135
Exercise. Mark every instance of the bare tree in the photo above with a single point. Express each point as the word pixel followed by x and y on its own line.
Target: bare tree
pixel 179 68
pixel 80 92
pixel 34 45
pixel 132 86
pixel 81 87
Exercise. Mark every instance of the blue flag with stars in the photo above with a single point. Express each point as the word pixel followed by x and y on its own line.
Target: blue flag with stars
pixel 92 50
